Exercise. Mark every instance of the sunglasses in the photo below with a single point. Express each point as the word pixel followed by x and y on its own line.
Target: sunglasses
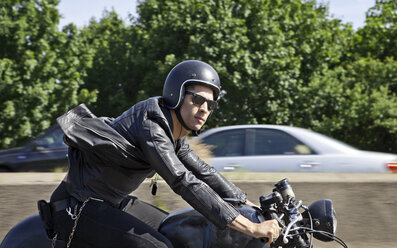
pixel 199 100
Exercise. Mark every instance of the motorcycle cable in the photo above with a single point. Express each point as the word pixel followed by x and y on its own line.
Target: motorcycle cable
pixel 311 225
pixel 327 234
pixel 288 229
pixel 312 231
pixel 332 236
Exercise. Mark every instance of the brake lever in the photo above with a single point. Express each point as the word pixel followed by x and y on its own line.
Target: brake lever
pixel 285 240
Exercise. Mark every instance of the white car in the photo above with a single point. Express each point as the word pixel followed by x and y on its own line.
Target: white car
pixel 275 148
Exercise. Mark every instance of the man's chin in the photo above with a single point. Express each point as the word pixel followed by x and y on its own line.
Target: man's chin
pixel 196 127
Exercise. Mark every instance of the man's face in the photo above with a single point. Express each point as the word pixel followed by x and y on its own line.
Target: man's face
pixel 194 115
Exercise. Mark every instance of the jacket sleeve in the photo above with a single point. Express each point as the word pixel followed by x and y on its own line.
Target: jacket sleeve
pixel 209 174
pixel 160 152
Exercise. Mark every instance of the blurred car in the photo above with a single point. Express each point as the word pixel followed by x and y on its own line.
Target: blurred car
pixel 44 153
pixel 276 148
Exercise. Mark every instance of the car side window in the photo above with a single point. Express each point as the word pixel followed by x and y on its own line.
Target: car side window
pixel 51 139
pixel 227 143
pixel 275 142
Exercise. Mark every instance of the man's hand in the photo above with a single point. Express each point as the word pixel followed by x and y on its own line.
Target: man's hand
pixel 267 229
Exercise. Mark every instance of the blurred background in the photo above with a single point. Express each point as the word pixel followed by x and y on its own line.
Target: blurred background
pixel 291 63
pixel 327 67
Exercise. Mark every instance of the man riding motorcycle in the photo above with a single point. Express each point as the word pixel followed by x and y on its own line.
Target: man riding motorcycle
pixel 110 158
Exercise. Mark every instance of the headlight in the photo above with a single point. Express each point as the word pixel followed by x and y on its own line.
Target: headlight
pixel 324 218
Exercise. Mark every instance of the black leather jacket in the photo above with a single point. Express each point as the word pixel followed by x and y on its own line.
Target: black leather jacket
pixel 110 158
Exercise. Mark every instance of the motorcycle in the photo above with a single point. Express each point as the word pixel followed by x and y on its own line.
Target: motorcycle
pixel 188 228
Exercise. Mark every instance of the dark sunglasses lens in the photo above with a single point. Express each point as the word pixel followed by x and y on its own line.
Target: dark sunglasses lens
pixel 211 105
pixel 199 100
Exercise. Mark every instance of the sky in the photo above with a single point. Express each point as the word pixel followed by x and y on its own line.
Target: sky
pixel 81 11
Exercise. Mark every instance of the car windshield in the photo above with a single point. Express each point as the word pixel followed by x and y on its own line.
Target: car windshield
pixel 323 142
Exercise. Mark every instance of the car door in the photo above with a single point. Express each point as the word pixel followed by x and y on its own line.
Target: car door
pixel 228 147
pixel 274 150
pixel 44 153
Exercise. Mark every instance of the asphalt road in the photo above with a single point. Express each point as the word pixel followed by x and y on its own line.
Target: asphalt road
pixel 364 203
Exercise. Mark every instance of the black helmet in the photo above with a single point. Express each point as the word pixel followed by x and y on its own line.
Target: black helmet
pixel 185 73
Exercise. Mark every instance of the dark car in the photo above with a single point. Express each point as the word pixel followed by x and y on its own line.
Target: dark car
pixel 47 152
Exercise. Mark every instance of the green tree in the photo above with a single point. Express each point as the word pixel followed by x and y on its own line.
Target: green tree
pixel 40 69
pixel 378 38
pixel 110 74
pixel 263 50
pixel 356 101
pixel 353 103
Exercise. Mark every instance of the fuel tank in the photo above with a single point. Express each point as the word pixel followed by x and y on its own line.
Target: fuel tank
pixel 188 228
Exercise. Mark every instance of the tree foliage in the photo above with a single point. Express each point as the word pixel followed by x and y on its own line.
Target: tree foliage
pixel 40 69
pixel 280 62
pixel 354 104
pixel 263 50
pixel 113 43
pixel 378 38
